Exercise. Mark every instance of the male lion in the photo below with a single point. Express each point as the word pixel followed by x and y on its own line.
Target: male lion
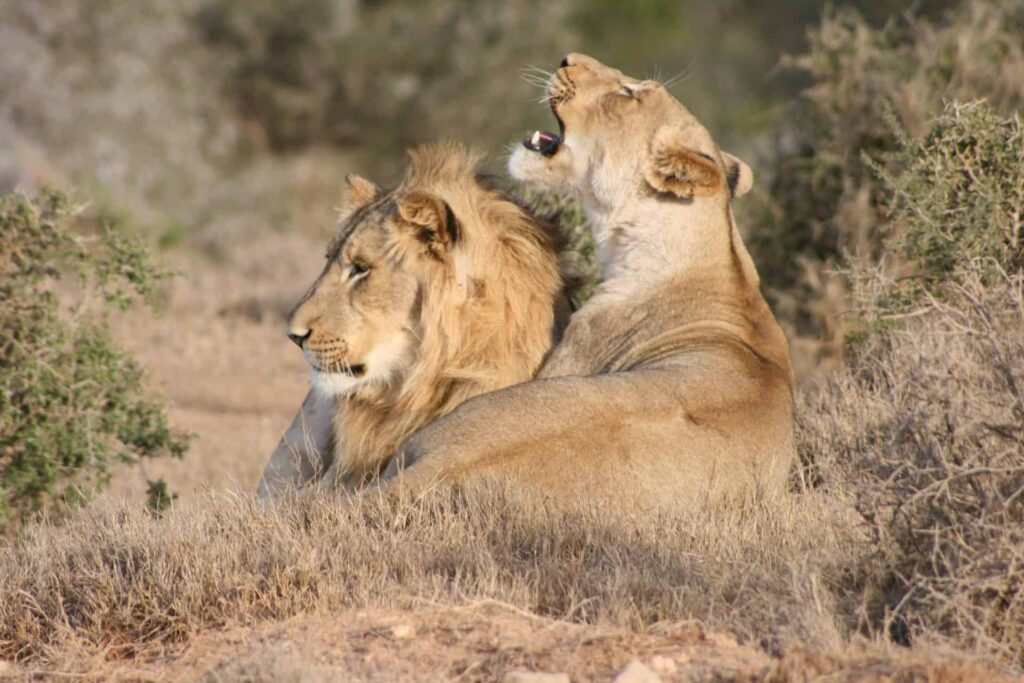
pixel 437 291
pixel 673 385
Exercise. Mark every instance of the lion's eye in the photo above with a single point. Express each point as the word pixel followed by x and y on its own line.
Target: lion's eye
pixel 629 91
pixel 357 270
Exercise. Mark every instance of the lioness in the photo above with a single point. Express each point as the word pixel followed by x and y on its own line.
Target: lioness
pixel 672 385
pixel 439 290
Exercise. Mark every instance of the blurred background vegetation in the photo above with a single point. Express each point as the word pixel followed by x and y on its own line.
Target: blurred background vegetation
pixel 200 125
pixel 197 119
pixel 201 121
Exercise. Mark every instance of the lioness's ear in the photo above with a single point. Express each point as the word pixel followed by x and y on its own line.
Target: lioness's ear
pixel 358 193
pixel 430 219
pixel 674 167
pixel 738 175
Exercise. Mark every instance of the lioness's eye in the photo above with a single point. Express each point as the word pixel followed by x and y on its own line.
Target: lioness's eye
pixel 357 269
pixel 628 91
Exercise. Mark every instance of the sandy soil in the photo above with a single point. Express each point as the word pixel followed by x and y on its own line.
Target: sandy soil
pixel 490 641
pixel 472 643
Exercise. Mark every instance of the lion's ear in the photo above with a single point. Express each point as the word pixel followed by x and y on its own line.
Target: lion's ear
pixel 358 192
pixel 429 220
pixel 738 175
pixel 675 167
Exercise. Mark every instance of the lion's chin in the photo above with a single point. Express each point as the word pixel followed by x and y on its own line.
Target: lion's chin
pixel 330 384
pixel 383 365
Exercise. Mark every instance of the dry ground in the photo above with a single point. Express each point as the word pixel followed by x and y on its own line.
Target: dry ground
pixel 490 641
pixel 475 642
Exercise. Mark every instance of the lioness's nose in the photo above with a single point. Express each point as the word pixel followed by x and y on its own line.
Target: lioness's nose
pixel 577 59
pixel 299 336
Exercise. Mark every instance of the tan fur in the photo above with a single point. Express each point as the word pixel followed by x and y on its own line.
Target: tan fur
pixel 672 385
pixel 473 300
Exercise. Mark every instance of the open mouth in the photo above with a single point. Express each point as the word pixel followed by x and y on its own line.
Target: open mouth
pixel 544 141
pixel 357 370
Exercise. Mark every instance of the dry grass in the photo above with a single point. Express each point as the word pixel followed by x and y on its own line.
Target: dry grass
pixel 114 578
pixel 926 433
pixel 906 524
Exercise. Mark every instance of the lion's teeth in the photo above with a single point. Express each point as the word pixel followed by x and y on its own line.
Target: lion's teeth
pixel 535 140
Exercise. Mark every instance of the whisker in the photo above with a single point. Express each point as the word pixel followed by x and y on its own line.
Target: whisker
pixel 536 76
pixel 681 76
pixel 537 70
pixel 541 86
pixel 538 83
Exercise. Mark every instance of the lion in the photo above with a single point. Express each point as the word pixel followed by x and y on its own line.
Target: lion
pixel 672 386
pixel 437 291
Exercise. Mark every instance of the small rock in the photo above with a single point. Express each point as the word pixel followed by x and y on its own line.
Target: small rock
pixel 534 677
pixel 403 631
pixel 664 665
pixel 636 672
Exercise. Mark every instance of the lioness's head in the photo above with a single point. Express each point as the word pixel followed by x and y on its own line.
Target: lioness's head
pixel 620 137
pixel 418 278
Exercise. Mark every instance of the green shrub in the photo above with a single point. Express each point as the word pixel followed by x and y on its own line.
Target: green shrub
pixel 958 194
pixel 924 431
pixel 579 251
pixel 72 404
pixel 954 204
pixel 825 204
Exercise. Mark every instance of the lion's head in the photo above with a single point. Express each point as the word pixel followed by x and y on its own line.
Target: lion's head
pixel 621 137
pixel 355 325
pixel 433 292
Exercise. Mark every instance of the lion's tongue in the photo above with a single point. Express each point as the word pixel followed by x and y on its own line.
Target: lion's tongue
pixel 543 141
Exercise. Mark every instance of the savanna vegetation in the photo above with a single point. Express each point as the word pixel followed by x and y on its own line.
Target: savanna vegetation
pixel 72 404
pixel 888 226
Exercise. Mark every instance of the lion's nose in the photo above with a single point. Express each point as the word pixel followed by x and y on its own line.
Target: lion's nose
pixel 565 62
pixel 299 336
